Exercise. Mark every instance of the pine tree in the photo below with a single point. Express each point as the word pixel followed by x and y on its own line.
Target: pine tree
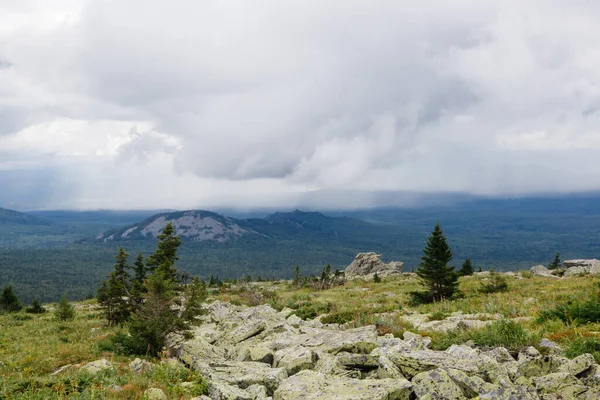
pixel 195 294
pixel 556 262
pixel 297 277
pixel 65 310
pixel 36 307
pixel 376 278
pixel 114 295
pixel 156 317
pixel 165 256
pixel 467 268
pixel 436 275
pixel 9 301
pixel 137 284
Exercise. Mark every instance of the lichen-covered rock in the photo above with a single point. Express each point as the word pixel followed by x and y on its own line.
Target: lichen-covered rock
pixel 575 271
pixel 387 369
pixel 94 367
pixel 310 385
pixel 559 383
pixel 155 394
pixel 244 374
pixel 540 270
pixel 576 267
pixel 470 385
pixel 437 382
pixel 578 365
pixel 414 362
pixel 511 393
pixel 138 365
pixel 294 359
pixel 222 391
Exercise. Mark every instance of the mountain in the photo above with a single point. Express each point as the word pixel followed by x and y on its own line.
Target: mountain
pixel 11 217
pixel 202 226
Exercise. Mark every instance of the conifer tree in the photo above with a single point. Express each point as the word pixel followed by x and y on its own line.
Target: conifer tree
pixel 195 294
pixel 297 277
pixel 114 295
pixel 36 307
pixel 165 256
pixel 436 275
pixel 9 301
pixel 156 318
pixel 467 268
pixel 65 310
pixel 137 284
pixel 376 278
pixel 555 263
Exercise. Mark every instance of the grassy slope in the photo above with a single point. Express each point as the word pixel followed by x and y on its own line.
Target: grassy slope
pixel 34 346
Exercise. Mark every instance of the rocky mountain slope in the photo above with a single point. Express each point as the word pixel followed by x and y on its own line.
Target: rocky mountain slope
pixel 201 226
pixel 259 353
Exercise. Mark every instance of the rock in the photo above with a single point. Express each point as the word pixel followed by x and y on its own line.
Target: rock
pixel 590 266
pixel 556 382
pixel 96 366
pixel 310 385
pixel 139 365
pixel 294 359
pixel 61 369
pixel 540 270
pixel 437 382
pixel 367 264
pixel 115 388
pixel 500 354
pixel 470 385
pixel 223 391
pixel 578 365
pixel 387 369
pixel 243 374
pixel 552 347
pixel 510 393
pixel 155 394
pixel 414 362
pixel 244 332
pixel 575 271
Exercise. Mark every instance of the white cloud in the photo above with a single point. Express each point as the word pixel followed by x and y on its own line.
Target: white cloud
pixel 251 101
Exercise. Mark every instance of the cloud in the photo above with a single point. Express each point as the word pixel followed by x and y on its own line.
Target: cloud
pixel 263 99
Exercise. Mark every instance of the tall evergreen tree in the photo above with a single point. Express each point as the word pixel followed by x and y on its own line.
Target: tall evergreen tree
pixel 195 294
pixel 115 294
pixel 555 263
pixel 9 301
pixel 165 256
pixel 139 276
pixel 467 268
pixel 436 275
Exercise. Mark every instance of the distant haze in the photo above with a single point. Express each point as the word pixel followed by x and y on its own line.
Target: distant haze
pixel 138 104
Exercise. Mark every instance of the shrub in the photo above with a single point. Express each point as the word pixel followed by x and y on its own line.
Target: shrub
pixel 341 317
pixel 578 312
pixel 526 274
pixel 437 316
pixel 496 283
pixel 584 345
pixel 505 333
pixel 312 310
pixel 65 310
pixel 36 307
pixel 376 278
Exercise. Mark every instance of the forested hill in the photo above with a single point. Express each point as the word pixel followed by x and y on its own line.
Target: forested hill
pixel 201 226
pixel 11 217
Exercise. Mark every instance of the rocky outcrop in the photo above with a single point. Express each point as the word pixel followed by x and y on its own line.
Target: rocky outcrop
pixel 258 353
pixel 368 264
pixel 540 270
pixel 581 267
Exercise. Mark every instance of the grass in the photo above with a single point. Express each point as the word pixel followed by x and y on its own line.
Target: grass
pixel 34 346
pixel 360 303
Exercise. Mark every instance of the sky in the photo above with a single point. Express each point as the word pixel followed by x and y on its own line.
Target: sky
pixel 185 104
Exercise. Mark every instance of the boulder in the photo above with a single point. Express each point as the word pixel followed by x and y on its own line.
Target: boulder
pixel 437 382
pixel 578 267
pixel 96 366
pixel 540 270
pixel 578 365
pixel 367 264
pixel 155 394
pixel 310 385
pixel 294 359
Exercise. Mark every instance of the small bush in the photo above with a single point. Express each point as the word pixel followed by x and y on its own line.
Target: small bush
pixel 437 316
pixel 338 318
pixel 65 310
pixel 419 298
pixel 312 310
pixel 574 312
pixel 526 274
pixel 36 307
pixel 584 345
pixel 505 333
pixel 495 284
